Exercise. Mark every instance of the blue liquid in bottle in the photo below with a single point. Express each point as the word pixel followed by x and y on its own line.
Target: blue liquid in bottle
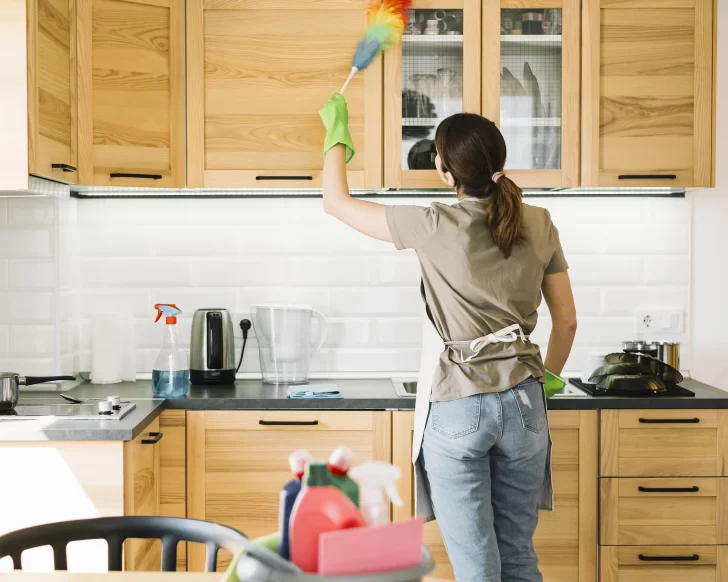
pixel 167 384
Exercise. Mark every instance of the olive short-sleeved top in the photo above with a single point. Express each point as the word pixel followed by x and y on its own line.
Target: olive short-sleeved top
pixel 473 290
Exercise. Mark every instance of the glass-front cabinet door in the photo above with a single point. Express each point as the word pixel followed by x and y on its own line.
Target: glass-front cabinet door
pixel 531 87
pixel 434 73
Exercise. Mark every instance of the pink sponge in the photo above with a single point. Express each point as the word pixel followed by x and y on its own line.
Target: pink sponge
pixel 366 550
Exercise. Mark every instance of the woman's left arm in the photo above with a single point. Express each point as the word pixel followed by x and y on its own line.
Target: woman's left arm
pixel 367 217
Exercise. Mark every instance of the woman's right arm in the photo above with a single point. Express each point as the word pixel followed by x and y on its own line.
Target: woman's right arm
pixel 560 301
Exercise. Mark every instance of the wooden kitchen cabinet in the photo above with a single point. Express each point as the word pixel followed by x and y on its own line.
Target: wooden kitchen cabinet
pixel 530 87
pixel 566 539
pixel 664 443
pixel 429 76
pixel 647 93
pixel 257 74
pixel 52 102
pixel 688 564
pixel 131 93
pixel 237 461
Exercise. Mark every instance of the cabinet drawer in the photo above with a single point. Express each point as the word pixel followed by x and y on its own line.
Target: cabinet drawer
pixel 668 564
pixel 663 511
pixel 664 443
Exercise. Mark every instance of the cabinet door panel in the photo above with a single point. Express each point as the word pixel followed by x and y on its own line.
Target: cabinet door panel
pixel 690 564
pixel 663 443
pixel 647 121
pixel 131 58
pixel 52 89
pixel 565 539
pixel 237 466
pixel 257 76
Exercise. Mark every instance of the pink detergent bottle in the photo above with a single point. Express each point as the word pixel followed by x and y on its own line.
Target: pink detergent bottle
pixel 320 508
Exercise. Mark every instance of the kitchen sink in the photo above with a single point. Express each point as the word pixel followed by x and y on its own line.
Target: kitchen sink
pixel 408 389
pixel 405 388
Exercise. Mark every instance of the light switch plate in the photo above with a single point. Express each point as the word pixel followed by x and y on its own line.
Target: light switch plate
pixel 659 321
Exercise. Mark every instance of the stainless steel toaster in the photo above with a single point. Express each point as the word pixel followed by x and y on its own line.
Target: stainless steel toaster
pixel 212 347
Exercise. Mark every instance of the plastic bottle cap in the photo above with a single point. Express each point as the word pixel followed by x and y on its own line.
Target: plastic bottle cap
pixel 318 475
pixel 340 461
pixel 298 460
pixel 171 320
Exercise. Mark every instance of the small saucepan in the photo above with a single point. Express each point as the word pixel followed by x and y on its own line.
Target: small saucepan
pixel 10 386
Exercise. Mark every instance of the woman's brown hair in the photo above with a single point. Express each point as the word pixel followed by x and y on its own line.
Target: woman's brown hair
pixel 472 149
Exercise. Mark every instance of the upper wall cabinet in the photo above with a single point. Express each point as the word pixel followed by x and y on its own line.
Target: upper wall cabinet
pixel 52 130
pixel 258 71
pixel 531 87
pixel 647 92
pixel 432 74
pixel 131 92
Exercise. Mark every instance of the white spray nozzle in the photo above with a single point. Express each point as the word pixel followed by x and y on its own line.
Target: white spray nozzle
pixel 298 460
pixel 374 478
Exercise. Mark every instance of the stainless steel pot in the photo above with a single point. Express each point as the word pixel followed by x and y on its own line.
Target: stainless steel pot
pixel 10 384
pixel 668 352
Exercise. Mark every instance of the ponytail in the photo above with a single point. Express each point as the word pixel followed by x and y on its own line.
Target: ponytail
pixel 504 214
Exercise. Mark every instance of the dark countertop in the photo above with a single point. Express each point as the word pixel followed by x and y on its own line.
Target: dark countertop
pixel 254 395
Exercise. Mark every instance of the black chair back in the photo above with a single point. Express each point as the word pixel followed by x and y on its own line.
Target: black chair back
pixel 116 530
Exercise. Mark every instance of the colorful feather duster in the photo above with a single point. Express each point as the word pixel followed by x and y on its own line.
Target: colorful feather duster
pixel 386 20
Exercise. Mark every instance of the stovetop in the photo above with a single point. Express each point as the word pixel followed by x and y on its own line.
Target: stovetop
pixel 66 411
pixel 672 391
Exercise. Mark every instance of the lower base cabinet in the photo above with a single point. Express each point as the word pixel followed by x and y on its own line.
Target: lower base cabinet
pixel 237 462
pixel 663 563
pixel 566 539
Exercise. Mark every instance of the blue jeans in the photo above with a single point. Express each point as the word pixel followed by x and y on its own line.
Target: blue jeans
pixel 485 459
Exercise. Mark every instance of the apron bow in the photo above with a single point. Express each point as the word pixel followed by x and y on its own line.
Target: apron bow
pixel 506 335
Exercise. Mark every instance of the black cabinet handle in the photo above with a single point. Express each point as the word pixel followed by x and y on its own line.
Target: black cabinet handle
pixel 125 175
pixel 157 436
pixel 288 422
pixel 64 167
pixel 263 178
pixel 693 558
pixel 648 177
pixel 669 420
pixel 693 489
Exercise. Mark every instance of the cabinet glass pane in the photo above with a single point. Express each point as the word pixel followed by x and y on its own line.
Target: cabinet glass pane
pixel 432 81
pixel 530 103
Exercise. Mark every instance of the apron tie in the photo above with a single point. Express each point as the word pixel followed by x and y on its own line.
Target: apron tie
pixel 506 335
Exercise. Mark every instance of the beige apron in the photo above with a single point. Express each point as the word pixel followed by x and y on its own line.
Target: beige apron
pixel 432 348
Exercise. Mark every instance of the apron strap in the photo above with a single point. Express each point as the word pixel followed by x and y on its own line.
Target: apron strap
pixel 508 334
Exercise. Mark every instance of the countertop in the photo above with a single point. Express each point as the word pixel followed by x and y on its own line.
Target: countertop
pixel 365 394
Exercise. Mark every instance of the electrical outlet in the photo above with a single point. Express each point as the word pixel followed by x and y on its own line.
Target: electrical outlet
pixel 656 321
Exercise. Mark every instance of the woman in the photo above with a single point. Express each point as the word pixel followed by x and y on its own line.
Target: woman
pixel 485 261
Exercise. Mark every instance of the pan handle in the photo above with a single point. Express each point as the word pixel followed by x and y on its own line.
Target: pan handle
pixel 30 380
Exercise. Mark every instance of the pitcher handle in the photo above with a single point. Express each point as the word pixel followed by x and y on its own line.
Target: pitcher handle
pixel 322 324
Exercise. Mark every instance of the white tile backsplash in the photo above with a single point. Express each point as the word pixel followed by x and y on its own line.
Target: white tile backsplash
pixel 127 254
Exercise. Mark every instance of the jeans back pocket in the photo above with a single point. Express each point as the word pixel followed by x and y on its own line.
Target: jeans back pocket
pixel 456 418
pixel 530 401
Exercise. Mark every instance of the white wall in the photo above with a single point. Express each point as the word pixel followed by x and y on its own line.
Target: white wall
pixel 624 254
pixel 710 243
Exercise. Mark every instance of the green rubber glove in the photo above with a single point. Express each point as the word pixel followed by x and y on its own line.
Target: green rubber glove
pixel 335 116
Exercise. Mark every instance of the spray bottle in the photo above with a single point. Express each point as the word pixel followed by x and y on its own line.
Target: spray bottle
pixel 297 461
pixel 374 478
pixel 339 465
pixel 171 372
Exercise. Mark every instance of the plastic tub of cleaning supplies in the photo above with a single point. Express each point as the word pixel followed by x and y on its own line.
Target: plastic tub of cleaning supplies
pixel 258 564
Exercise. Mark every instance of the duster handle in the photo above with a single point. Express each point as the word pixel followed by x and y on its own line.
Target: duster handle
pixel 350 77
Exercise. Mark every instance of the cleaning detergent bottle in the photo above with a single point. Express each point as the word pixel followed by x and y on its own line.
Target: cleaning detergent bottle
pixel 171 372
pixel 376 477
pixel 339 465
pixel 320 508
pixel 298 461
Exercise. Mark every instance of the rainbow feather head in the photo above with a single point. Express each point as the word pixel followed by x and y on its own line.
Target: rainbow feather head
pixel 386 20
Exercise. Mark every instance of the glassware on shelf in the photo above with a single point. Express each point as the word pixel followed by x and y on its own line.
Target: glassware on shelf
pixel 423 85
pixel 449 91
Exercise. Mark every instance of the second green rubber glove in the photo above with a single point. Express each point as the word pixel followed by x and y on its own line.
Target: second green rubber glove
pixel 335 116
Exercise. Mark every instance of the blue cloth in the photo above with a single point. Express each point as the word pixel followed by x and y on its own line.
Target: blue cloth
pixel 319 391
pixel 485 457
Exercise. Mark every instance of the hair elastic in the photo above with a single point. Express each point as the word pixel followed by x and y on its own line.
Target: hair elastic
pixel 497 176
